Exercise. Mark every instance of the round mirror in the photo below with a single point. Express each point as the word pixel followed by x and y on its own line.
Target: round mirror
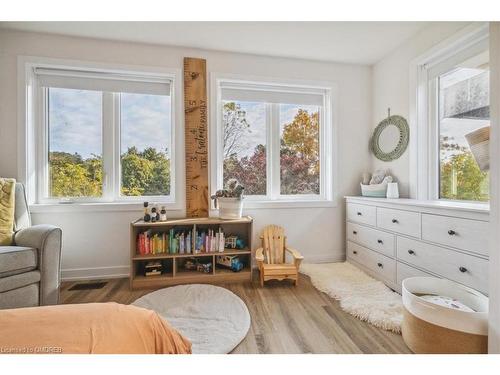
pixel 390 138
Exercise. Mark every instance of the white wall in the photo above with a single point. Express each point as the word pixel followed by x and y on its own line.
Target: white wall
pixel 390 88
pixel 494 277
pixel 97 243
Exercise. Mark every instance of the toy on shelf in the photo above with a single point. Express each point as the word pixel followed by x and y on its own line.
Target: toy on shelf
pixel 233 242
pixel 147 216
pixel 153 268
pixel 192 264
pixel 232 262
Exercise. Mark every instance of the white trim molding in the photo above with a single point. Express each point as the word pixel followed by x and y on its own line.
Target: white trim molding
pixel 423 156
pixel 295 90
pixel 95 273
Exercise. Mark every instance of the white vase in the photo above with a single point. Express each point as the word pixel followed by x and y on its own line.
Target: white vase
pixel 392 190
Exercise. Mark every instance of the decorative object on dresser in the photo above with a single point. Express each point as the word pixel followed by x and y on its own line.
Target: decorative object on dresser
pixel 214 319
pixel 396 239
pixel 377 184
pixel 186 250
pixel 271 257
pixel 392 190
pixel 390 138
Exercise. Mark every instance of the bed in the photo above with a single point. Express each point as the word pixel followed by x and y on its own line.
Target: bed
pixel 93 328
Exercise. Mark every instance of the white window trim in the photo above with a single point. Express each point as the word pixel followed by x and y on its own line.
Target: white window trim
pixel 424 164
pixel 29 104
pixel 328 151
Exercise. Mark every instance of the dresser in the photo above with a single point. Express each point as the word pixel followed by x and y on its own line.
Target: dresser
pixel 393 239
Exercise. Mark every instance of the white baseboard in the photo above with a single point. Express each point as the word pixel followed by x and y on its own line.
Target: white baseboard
pixel 325 258
pixel 95 273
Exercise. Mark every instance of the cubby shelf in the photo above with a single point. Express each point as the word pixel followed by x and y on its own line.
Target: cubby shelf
pixel 178 275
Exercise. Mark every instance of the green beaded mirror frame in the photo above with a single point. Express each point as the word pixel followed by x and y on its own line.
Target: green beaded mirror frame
pixel 404 137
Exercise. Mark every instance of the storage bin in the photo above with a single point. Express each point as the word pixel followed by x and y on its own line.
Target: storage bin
pixel 230 208
pixel 431 328
pixel 377 190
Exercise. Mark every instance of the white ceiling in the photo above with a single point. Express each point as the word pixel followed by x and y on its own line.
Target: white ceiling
pixel 349 42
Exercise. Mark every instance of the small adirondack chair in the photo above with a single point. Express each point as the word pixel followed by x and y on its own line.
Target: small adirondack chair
pixel 271 257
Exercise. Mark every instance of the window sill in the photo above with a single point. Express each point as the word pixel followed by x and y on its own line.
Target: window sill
pixel 267 204
pixel 96 207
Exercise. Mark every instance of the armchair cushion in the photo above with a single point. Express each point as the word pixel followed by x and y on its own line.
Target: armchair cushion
pixel 19 280
pixel 17 259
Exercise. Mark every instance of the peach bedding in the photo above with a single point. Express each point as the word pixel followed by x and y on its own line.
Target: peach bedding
pixel 106 328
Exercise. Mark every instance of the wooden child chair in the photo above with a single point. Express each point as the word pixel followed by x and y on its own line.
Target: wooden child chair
pixel 271 256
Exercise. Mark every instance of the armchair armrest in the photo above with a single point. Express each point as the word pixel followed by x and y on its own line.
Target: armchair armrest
pixel 259 254
pixel 297 257
pixel 294 253
pixel 47 240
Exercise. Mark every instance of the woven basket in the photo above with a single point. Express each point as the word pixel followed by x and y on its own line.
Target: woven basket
pixel 376 191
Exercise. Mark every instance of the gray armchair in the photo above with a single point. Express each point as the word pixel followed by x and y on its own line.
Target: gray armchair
pixel 30 269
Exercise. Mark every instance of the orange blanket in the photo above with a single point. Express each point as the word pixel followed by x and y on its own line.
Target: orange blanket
pixel 105 328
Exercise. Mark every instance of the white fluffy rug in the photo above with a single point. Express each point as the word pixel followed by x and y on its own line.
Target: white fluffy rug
pixel 359 294
pixel 214 319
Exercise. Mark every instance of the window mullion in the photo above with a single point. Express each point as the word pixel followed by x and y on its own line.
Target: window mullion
pixel 275 151
pixel 108 146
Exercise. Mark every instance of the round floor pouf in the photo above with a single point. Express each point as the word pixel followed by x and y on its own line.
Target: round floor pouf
pixel 442 316
pixel 214 319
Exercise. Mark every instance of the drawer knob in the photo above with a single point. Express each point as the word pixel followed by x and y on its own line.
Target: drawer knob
pixel 354 252
pixel 380 241
pixel 360 214
pixel 395 221
pixel 380 265
pixel 462 269
pixel 451 232
pixel 411 252
pixel 354 232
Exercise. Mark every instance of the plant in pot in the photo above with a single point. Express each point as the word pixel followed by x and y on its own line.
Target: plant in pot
pixel 229 201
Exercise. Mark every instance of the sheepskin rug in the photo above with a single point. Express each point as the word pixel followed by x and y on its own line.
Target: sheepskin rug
pixel 359 294
pixel 214 319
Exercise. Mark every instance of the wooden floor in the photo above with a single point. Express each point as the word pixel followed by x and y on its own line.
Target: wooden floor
pixel 285 319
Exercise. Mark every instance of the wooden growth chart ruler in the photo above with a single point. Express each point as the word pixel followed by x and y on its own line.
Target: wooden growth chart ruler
pixel 196 130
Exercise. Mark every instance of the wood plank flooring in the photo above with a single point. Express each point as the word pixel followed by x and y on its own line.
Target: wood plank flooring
pixel 285 319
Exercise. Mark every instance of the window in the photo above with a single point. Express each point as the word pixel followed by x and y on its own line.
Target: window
pixel 464 117
pixel 459 112
pixel 450 119
pixel 275 139
pixel 103 136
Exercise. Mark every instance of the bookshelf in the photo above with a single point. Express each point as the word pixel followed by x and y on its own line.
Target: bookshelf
pixel 173 264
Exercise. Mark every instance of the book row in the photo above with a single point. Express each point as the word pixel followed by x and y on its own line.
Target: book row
pixel 181 241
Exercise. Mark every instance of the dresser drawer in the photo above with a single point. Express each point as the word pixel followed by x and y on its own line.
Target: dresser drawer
pixel 404 271
pixel 362 214
pixel 374 239
pixel 399 221
pixel 382 266
pixel 465 234
pixel 463 268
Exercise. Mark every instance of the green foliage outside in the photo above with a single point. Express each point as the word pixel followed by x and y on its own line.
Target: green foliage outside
pixel 461 179
pixel 143 173
pixel 299 153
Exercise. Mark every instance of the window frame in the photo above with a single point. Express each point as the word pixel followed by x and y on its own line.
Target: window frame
pixel 424 123
pixel 33 138
pixel 328 159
